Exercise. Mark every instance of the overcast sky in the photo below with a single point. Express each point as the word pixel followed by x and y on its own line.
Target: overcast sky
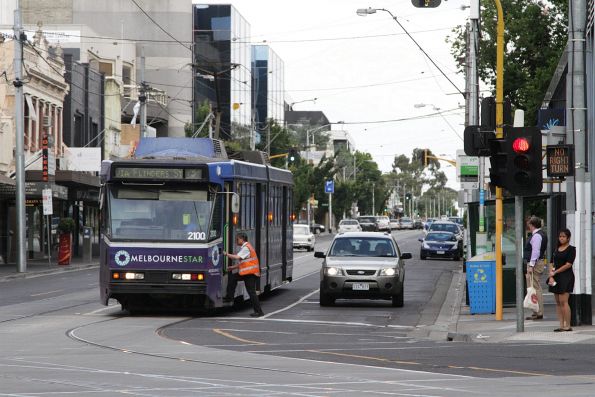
pixel 399 74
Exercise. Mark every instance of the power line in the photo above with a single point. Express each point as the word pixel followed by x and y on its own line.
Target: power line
pixel 159 26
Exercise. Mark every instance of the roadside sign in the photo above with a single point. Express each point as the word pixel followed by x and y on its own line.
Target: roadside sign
pixel 467 171
pixel 329 186
pixel 47 201
pixel 560 160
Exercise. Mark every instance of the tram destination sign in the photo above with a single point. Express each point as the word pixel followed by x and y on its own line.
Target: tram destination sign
pixel 159 173
pixel 560 160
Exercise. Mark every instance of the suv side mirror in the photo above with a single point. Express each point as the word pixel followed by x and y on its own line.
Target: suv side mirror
pixel 319 254
pixel 406 255
pixel 421 240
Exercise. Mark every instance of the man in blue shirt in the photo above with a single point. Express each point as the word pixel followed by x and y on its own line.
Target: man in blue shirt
pixel 534 257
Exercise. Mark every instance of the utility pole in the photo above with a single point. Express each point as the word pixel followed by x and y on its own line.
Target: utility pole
pixel 20 141
pixel 579 217
pixel 143 95
pixel 373 199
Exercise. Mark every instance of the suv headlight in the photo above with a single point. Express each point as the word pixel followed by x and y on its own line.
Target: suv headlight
pixel 391 271
pixel 426 246
pixel 333 271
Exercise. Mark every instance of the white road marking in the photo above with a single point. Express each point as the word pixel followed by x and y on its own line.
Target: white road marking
pixel 321 322
pixel 101 310
pixel 292 305
pixel 47 293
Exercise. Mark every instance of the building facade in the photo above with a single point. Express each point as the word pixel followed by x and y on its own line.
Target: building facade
pixel 113 34
pixel 222 63
pixel 268 86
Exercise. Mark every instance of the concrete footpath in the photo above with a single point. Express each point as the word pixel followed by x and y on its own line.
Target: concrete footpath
pixel 37 268
pixel 456 323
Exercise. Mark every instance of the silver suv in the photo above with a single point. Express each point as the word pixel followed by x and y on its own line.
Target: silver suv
pixel 362 266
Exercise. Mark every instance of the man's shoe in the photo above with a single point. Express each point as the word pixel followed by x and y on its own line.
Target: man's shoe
pixel 534 317
pixel 256 314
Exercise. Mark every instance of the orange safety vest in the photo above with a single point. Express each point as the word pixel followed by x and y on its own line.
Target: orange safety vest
pixel 250 265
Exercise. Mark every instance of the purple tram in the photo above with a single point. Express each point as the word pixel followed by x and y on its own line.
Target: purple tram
pixel 168 213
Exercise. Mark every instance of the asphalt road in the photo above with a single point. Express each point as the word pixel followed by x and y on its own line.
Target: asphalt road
pixel 56 339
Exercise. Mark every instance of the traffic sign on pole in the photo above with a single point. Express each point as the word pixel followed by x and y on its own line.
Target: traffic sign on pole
pixel 329 186
pixel 47 201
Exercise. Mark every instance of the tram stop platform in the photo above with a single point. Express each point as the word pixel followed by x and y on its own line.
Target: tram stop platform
pixel 41 267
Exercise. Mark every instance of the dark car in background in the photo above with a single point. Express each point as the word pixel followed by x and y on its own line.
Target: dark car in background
pixel 441 245
pixel 418 224
pixel 368 223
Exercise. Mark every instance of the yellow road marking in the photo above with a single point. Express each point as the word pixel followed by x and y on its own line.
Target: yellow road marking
pixel 230 336
pixel 508 371
pixel 365 357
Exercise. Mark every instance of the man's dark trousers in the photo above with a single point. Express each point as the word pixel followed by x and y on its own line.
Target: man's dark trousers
pixel 250 282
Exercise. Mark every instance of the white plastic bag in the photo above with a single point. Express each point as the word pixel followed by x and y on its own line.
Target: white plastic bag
pixel 530 301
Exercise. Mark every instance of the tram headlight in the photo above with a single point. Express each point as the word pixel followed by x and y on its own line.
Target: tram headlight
pixel 188 276
pixel 134 276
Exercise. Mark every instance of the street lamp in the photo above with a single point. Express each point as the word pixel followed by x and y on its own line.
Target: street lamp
pixel 305 100
pixel 423 105
pixel 362 12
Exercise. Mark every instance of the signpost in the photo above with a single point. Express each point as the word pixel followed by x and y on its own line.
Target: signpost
pixel 48 211
pixel 560 159
pixel 329 187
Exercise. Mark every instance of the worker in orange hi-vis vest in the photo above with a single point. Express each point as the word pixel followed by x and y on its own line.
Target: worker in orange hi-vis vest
pixel 248 272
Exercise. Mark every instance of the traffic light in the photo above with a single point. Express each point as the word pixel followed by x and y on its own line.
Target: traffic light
pixel 292 156
pixel 407 196
pixel 516 161
pixel 423 158
pixel 426 3
pixel 525 170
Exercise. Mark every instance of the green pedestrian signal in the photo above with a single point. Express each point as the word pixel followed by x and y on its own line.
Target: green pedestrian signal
pixel 425 3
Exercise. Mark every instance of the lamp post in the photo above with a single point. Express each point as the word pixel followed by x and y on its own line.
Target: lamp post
pixel 305 100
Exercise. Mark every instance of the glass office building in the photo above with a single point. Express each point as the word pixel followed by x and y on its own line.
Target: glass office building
pixel 268 95
pixel 222 68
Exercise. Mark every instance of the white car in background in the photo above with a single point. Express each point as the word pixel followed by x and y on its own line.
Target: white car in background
pixel 303 237
pixel 349 225
pixel 383 223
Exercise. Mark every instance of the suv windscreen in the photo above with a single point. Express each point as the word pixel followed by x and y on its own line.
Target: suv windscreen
pixel 366 246
pixel 347 222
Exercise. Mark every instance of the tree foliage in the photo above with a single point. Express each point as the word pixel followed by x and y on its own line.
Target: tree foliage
pixel 535 37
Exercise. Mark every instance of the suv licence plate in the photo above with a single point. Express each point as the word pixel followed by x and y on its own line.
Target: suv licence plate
pixel 440 252
pixel 360 286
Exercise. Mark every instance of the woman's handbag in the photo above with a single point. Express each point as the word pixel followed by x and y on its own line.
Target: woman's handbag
pixel 530 301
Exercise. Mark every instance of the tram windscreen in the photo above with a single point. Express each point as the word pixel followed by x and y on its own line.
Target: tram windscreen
pixel 161 213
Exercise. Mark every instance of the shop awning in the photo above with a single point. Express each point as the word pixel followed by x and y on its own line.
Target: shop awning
pixel 7 187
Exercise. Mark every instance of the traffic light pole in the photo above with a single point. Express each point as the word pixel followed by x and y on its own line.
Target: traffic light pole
pixel 499 135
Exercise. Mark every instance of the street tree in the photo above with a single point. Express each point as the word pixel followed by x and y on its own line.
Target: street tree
pixel 535 37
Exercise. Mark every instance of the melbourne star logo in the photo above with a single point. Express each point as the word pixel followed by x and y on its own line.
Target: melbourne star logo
pixel 122 258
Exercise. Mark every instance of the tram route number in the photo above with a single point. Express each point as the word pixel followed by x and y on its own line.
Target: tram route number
pixel 197 236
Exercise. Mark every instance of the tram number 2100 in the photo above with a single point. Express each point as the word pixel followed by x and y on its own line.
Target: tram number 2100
pixel 197 236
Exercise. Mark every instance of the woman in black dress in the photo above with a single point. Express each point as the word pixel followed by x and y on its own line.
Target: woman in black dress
pixel 561 278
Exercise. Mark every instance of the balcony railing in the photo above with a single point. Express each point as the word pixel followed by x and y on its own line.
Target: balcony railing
pixel 131 92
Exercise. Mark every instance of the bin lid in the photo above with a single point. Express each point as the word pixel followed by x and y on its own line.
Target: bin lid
pixel 486 256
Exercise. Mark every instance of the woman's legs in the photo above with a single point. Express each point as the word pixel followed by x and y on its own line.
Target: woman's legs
pixel 565 309
pixel 559 312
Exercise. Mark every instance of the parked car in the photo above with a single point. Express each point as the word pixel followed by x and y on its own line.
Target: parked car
pixel 418 224
pixel 362 266
pixel 406 223
pixel 458 220
pixel 368 223
pixel 446 226
pixel 303 237
pixel 383 223
pixel 394 224
pixel 441 245
pixel 349 225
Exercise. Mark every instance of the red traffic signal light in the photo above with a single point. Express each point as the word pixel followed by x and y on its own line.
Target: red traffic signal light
pixel 521 145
